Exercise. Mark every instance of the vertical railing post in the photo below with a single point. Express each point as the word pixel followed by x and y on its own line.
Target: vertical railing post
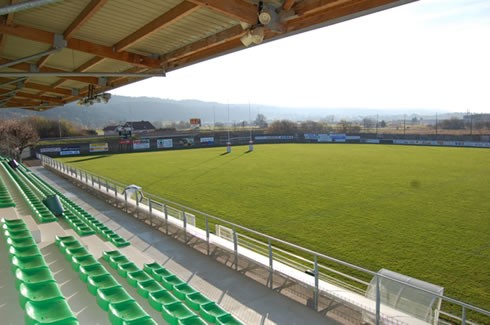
pixel 378 301
pixel 165 211
pixel 207 232
pixel 235 247
pixel 150 209
pixel 126 200
pixel 99 183
pixel 86 177
pixel 107 186
pixel 184 219
pixel 463 316
pixel 316 283
pixel 271 264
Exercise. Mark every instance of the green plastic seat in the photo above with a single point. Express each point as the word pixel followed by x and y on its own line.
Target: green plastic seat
pixel 183 289
pixel 150 267
pixel 15 226
pixel 159 274
pixel 112 295
pixel 126 311
pixel 161 297
pixel 41 291
pixel 12 221
pixel 134 277
pixel 60 239
pixel 227 319
pixel 193 320
pixel 172 313
pixel 124 269
pixel 48 312
pixel 27 262
pixel 77 261
pixel 120 242
pixel 17 234
pixel 146 321
pixel 210 311
pixel 101 281
pixel 113 261
pixel 196 299
pixel 145 287
pixel 69 245
pixel 21 242
pixel 91 270
pixel 32 276
pixel 108 254
pixel 24 251
pixel 76 252
pixel 170 281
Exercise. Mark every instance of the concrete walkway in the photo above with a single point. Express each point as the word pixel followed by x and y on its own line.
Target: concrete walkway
pixel 246 299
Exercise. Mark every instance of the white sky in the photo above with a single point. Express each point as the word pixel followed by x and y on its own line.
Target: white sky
pixel 431 54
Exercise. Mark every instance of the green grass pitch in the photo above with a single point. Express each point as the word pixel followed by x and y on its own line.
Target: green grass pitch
pixel 420 211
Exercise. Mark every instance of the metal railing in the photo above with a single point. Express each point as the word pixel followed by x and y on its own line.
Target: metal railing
pixel 275 250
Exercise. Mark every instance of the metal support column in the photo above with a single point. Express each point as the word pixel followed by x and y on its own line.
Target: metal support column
pixel 378 301
pixel 150 209
pixel 316 283
pixel 271 264
pixel 207 232
pixel 126 200
pixel 184 217
pixel 165 211
pixel 235 247
pixel 463 316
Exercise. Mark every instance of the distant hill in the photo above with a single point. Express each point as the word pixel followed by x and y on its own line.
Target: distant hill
pixel 122 109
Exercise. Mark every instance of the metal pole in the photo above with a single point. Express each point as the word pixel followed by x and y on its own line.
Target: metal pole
pixel 207 232
pixel 235 247
pixel 107 186
pixel 99 182
pixel 126 201
pixel 25 5
pixel 92 177
pixel 378 301
pixel 166 217
pixel 316 283
pixel 185 225
pixel 150 209
pixel 271 271
pixel 463 316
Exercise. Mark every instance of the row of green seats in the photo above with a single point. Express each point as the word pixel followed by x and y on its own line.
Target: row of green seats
pixel 86 217
pixel 162 288
pixel 39 294
pixel 38 209
pixel 6 200
pixel 75 222
pixel 111 297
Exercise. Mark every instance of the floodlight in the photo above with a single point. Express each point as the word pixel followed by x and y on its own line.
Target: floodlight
pixel 257 35
pixel 246 39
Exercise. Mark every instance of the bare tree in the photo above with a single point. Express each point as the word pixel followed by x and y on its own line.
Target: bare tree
pixel 261 121
pixel 17 135
pixel 282 126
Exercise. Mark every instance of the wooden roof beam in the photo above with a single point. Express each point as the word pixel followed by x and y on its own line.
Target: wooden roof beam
pixel 288 4
pixel 203 44
pixel 36 86
pixel 104 51
pixel 8 20
pixel 83 17
pixel 178 12
pixel 26 68
pixel 42 98
pixel 349 9
pixel 235 9
pixel 309 6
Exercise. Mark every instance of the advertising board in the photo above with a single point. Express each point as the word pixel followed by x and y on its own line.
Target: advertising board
pixel 70 151
pixel 141 144
pixel 56 149
pixel 274 137
pixel 99 147
pixel 165 143
pixel 207 141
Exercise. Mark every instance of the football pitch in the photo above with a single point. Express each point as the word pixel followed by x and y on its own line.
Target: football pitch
pixel 420 211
